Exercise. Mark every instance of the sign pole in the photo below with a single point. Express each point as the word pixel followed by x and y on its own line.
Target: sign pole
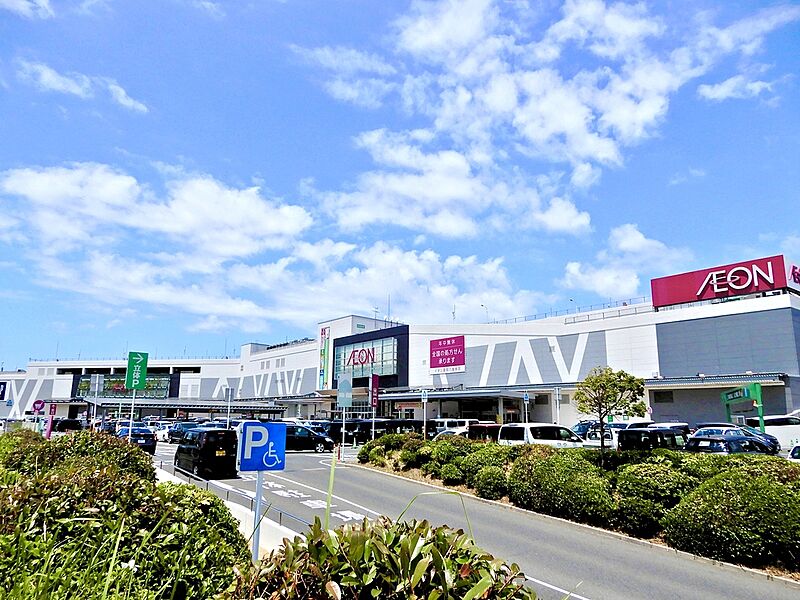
pixel 344 413
pixel 424 397
pixel 257 515
pixel 229 393
pixel 133 405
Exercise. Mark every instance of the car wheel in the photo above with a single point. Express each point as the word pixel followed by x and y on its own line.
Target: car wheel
pixel 320 447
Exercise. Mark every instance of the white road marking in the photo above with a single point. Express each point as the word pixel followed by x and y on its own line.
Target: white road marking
pixel 558 589
pixel 316 504
pixel 324 493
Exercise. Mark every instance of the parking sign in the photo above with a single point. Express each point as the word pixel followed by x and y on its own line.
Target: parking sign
pixel 262 447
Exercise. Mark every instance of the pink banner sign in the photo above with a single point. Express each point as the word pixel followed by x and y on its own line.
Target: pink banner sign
pixel 738 279
pixel 448 355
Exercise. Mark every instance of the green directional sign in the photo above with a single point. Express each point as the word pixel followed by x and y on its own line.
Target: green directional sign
pixel 137 370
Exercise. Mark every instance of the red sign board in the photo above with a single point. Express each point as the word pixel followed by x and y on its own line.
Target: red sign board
pixel 749 277
pixel 53 408
pixel 448 355
pixel 361 356
pixel 374 387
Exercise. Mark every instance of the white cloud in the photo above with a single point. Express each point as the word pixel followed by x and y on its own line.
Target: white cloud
pixel 213 9
pixel 737 86
pixel 629 253
pixel 562 217
pixel 121 97
pixel 791 247
pixel 691 173
pixel 30 9
pixel 76 84
pixel 345 61
pixel 436 29
pixel 368 93
pixel 47 79
pixel 201 214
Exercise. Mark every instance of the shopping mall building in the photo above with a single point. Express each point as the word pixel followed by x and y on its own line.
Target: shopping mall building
pixel 700 334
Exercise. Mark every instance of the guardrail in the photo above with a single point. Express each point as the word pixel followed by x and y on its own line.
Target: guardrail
pixel 228 494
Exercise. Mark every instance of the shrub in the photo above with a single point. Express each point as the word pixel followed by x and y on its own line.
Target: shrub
pixel 563 485
pixel 20 438
pixel 755 465
pixel 392 441
pixel 35 459
pixel 377 456
pixel 657 482
pixel 363 452
pixel 451 474
pixel 448 449
pixel 487 455
pixel 387 560
pixel 491 483
pixel 701 466
pixel 738 518
pixel 431 468
pixel 637 516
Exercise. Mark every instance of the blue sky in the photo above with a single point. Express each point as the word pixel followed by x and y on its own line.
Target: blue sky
pixel 184 176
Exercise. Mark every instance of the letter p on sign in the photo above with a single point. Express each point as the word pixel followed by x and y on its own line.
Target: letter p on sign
pixel 262 447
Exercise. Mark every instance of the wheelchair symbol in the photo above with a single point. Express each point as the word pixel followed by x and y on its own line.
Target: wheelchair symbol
pixel 270 458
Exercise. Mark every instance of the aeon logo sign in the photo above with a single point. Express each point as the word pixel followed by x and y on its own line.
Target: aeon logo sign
pixel 362 356
pixel 737 279
pixel 747 277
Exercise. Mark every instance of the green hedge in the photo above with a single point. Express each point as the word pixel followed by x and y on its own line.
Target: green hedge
pixel 563 485
pixel 491 483
pixel 87 519
pixel 486 455
pixel 386 560
pixel 739 518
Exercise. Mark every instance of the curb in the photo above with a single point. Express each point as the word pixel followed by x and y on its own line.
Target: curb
pixel 792 583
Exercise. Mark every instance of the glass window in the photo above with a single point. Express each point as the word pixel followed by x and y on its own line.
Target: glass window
pixel 513 433
pixel 565 434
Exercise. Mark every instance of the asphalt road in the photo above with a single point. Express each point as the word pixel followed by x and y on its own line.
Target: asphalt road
pixel 557 556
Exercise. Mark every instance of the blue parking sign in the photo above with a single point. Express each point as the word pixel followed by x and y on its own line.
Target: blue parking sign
pixel 262 447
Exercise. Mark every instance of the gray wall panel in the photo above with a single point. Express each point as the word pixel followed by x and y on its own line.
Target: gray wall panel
pixel 595 354
pixel 207 387
pixel 501 363
pixel 544 360
pixel 568 343
pixel 760 342
pixel 309 383
pixel 476 355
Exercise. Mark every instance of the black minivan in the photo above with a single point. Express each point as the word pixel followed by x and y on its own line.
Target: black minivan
pixel 208 452
pixel 303 438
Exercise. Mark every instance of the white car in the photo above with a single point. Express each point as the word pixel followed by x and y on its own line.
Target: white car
pixel 162 432
pixel 611 435
pixel 538 433
pixel 794 454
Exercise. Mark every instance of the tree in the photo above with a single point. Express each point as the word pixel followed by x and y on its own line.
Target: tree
pixel 605 392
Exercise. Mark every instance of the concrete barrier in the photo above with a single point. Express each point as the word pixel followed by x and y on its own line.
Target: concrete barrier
pixel 272 533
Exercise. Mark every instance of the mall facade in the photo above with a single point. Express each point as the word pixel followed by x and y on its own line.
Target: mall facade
pixel 698 335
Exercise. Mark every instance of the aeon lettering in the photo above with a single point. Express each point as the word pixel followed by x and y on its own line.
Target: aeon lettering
pixel 737 279
pixel 795 274
pixel 361 357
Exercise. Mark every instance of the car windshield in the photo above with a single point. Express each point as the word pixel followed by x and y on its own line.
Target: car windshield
pixel 710 431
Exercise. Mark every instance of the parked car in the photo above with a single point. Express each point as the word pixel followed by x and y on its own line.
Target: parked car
pixel 513 434
pixel 303 438
pixel 786 428
pixel 794 454
pixel 462 431
pixel 452 423
pixel 680 426
pixel 648 438
pixel 162 433
pixel 485 432
pixel 67 425
pixel 610 435
pixel 748 431
pixel 139 436
pixel 582 427
pixel 208 452
pixel 177 431
pixel 736 431
pixel 725 444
